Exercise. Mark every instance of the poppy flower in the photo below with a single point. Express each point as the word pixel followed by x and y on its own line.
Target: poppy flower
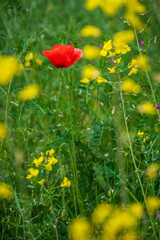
pixel 63 55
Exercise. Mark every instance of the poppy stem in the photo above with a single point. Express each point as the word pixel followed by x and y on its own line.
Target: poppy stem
pixel 74 164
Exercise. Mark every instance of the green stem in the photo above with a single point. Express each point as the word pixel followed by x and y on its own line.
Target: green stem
pixel 132 154
pixel 73 147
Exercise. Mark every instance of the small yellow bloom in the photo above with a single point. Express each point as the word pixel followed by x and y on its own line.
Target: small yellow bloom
pixel 90 31
pixel 39 61
pixel 33 173
pixel 66 182
pixel 112 70
pixel 9 67
pixel 91 52
pixel 80 229
pixel 3 130
pixel 152 171
pixel 117 60
pixel 121 48
pixel 130 86
pixel 50 152
pixel 85 80
pixel 146 138
pixel 111 54
pixel 133 71
pixel 142 62
pixel 153 203
pixel 126 37
pixel 48 167
pixel 133 64
pixel 110 7
pixel 106 155
pixel 90 73
pixel 28 93
pixel 29 56
pixel 101 80
pixel 38 161
pixel 41 182
pixel 107 46
pixel 146 108
pixel 101 212
pixel 52 160
pixel 137 210
pixel 91 5
pixel 27 64
pixel 140 134
pixel 5 191
pixel 149 227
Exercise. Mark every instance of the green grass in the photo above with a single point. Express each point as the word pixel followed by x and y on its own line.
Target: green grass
pixel 50 121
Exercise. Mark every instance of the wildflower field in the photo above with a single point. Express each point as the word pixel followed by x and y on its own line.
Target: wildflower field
pixel 80 120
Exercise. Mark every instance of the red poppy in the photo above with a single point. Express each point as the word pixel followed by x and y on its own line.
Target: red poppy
pixel 63 55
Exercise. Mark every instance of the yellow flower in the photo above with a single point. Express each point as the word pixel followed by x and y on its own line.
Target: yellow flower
pixel 29 92
pixel 117 60
pixel 146 108
pixel 5 191
pixel 91 72
pixel 90 31
pixel 29 57
pixel 50 152
pixel 101 212
pixel 110 7
pixel 133 71
pixel 111 54
pixel 124 37
pixel 130 86
pixel 66 182
pixel 140 134
pixel 130 236
pixel 9 67
pixel 85 80
pixel 38 60
pixel 121 47
pixel 106 155
pixel 137 210
pixel 41 182
pixel 38 161
pixel 133 64
pixel 27 64
pixel 80 229
pixel 146 138
pixel 91 52
pixel 107 46
pixel 33 173
pixel 152 171
pixel 153 203
pixel 142 62
pixel 101 80
pixel 52 160
pixel 112 70
pixel 3 130
pixel 48 167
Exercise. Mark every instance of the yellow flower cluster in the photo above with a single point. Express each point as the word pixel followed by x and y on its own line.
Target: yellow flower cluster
pixel 130 86
pixel 90 73
pixel 91 52
pixel 6 192
pixel 140 134
pixel 110 7
pixel 90 31
pixel 32 57
pixel 29 92
pixel 113 222
pixel 9 67
pixel 66 182
pixel 45 161
pixel 147 108
pixel 153 203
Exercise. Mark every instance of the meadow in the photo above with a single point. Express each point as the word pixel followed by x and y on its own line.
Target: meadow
pixel 80 120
